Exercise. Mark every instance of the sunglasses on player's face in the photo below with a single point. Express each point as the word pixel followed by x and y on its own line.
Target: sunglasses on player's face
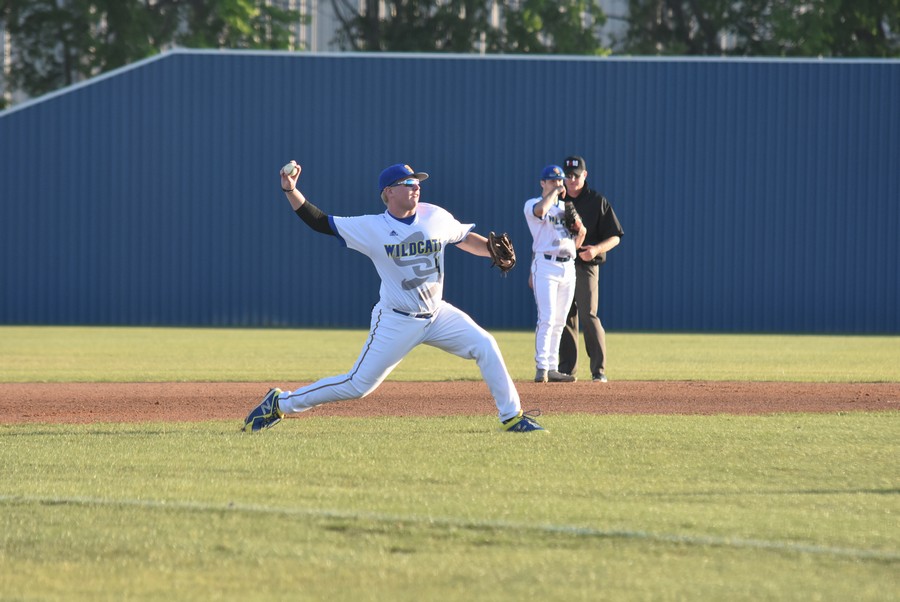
pixel 408 183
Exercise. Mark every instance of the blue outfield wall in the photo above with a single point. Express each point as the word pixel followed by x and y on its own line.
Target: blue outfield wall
pixel 756 195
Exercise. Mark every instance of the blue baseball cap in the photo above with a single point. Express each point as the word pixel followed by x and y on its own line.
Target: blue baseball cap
pixel 552 172
pixel 397 172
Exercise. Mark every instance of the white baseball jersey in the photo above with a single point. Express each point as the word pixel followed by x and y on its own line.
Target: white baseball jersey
pixel 553 279
pixel 549 234
pixel 409 258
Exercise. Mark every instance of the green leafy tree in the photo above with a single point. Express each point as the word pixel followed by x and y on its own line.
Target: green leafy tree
pixel 234 24
pixel 545 26
pixel 59 42
pixel 856 28
pixel 835 28
pixel 417 26
pixel 45 36
pixel 688 27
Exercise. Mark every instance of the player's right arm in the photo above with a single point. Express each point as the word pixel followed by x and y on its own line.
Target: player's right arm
pixel 311 215
pixel 550 191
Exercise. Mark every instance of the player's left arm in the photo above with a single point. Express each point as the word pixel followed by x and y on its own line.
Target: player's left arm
pixel 474 243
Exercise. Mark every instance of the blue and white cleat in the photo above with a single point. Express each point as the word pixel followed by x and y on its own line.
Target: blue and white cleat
pixel 266 415
pixel 523 423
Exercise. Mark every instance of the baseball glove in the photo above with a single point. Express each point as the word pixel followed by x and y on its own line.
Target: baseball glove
pixel 571 219
pixel 503 255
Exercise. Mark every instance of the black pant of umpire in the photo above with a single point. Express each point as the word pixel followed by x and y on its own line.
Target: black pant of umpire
pixel 584 310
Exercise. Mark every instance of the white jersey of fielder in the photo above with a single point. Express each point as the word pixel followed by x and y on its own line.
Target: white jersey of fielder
pixel 549 234
pixel 409 258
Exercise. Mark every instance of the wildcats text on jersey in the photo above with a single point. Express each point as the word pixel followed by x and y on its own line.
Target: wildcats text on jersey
pixel 556 219
pixel 413 248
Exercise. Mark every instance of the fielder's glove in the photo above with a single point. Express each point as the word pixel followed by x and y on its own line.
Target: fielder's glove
pixel 571 219
pixel 503 255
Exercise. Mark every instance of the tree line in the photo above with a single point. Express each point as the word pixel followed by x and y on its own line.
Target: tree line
pixel 59 42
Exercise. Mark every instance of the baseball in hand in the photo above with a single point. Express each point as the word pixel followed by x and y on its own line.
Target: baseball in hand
pixel 291 169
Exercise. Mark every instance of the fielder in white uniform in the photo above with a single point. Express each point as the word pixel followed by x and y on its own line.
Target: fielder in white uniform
pixel 552 271
pixel 406 244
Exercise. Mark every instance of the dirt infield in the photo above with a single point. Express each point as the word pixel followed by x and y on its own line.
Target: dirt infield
pixel 164 402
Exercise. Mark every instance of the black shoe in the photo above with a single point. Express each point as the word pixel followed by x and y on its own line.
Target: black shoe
pixel 555 376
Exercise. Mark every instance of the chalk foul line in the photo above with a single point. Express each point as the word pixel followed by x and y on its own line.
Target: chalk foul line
pixel 575 531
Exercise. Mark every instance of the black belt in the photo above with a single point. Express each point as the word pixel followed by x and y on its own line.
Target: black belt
pixel 559 259
pixel 412 315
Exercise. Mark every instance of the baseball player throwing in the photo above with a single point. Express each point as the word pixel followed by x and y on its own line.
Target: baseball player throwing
pixel 406 243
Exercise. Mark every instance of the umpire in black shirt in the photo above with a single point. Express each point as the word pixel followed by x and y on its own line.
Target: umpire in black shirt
pixel 603 233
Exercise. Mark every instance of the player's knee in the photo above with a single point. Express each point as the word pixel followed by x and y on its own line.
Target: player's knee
pixel 362 387
pixel 485 346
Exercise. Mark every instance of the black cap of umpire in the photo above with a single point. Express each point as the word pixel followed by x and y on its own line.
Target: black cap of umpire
pixel 574 164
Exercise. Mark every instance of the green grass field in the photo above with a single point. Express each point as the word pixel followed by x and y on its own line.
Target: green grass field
pixel 778 507
pixel 76 354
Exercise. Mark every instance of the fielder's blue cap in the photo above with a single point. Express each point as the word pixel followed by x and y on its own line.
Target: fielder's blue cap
pixel 397 172
pixel 552 172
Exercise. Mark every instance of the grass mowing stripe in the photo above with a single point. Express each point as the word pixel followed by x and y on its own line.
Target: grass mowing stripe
pixel 587 532
pixel 147 354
